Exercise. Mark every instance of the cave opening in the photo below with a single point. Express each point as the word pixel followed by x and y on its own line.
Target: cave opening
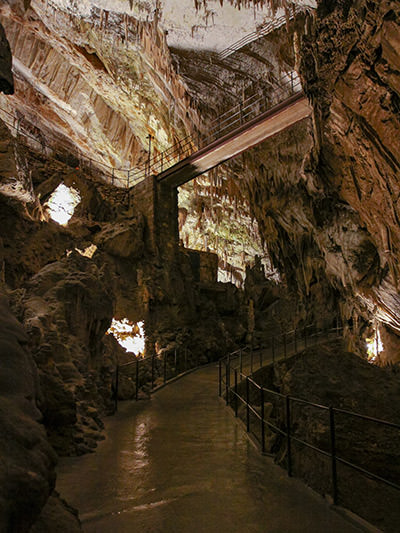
pixel 62 203
pixel 130 335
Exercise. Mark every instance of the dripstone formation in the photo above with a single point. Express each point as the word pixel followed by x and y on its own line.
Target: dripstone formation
pixel 91 89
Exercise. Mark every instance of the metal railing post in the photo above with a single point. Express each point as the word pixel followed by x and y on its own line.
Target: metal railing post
pixel 288 437
pixel 149 155
pixel 241 363
pixel 247 404
pixel 262 420
pixel 137 380
pixel 236 393
pixel 220 378
pixel 333 455
pixel 251 358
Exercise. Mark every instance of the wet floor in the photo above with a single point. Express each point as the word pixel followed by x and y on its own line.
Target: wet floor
pixel 181 463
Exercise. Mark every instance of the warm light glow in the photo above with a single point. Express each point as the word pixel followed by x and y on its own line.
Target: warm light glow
pixel 374 346
pixel 88 252
pixel 129 335
pixel 62 203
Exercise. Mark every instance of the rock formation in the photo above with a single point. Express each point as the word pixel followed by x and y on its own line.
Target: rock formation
pixel 96 92
pixel 27 470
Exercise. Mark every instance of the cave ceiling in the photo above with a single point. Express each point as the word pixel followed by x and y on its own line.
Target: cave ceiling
pixel 98 75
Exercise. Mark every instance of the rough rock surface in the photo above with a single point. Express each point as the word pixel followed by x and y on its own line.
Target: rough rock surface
pixel 351 72
pixel 57 516
pixel 27 474
pixel 312 190
pixel 67 309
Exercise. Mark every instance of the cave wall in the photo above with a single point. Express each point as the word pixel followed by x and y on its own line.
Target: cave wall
pixel 66 301
pixel 324 192
pixel 351 73
pixel 27 469
pixel 177 310
pixel 27 474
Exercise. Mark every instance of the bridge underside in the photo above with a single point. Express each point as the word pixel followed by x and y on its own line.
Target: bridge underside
pixel 246 136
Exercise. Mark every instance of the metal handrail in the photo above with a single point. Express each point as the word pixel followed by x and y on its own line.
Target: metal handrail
pixel 172 363
pixel 366 417
pixel 232 396
pixel 251 107
pixel 261 31
pixel 129 177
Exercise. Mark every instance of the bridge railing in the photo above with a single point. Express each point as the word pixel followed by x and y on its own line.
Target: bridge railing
pixel 239 115
pixel 246 110
pixel 240 387
pixel 261 31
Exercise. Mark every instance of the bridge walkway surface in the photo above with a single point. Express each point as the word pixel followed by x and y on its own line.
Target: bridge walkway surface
pixel 181 463
pixel 242 138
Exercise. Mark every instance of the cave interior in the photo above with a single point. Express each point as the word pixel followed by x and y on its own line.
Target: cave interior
pixel 181 180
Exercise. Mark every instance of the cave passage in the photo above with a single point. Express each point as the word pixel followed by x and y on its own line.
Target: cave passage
pixel 180 462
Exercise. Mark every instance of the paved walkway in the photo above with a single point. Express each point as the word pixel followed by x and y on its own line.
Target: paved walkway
pixel 181 463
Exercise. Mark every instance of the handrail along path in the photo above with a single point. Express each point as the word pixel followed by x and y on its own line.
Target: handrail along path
pixel 239 366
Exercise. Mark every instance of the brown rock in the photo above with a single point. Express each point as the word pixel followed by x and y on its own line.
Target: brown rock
pixel 27 466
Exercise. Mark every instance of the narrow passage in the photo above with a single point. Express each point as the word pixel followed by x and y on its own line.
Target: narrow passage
pixel 181 463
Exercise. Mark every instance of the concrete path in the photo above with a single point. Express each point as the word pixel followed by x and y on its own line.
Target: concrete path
pixel 181 463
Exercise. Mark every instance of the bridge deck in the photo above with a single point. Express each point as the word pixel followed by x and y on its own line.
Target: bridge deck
pixel 246 136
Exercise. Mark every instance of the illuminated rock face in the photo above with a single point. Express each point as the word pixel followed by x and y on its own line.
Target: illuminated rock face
pixel 99 81
pixel 356 101
pixel 62 203
pixel 325 192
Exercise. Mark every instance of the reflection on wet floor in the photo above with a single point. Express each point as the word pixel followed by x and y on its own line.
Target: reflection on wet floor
pixel 181 463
